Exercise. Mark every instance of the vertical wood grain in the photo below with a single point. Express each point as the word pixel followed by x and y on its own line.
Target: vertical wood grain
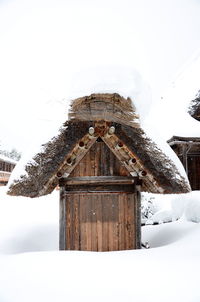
pixel 62 221
pixel 99 221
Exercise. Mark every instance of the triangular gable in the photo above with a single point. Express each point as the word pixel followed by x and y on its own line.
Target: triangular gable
pixel 99 161
pixel 124 153
pixel 118 126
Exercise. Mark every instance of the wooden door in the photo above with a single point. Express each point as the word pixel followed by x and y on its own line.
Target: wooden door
pixel 100 222
pixel 100 208
pixel 194 171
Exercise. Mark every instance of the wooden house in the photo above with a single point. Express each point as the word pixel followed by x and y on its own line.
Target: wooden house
pixel 188 148
pixel 188 151
pixel 101 159
pixel 6 167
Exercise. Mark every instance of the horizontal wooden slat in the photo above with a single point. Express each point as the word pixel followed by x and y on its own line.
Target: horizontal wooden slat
pixel 108 180
pixel 100 188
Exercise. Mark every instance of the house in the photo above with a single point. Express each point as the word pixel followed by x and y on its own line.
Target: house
pixel 6 167
pixel 188 151
pixel 185 140
pixel 188 148
pixel 101 159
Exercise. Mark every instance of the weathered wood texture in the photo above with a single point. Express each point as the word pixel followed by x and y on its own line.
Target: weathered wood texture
pixel 99 161
pixel 99 216
pixel 5 171
pixel 188 151
pixel 99 180
pixel 194 171
pixel 100 222
pixel 108 107
pixel 138 154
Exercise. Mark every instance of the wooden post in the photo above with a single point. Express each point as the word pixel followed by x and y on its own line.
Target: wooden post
pixel 62 220
pixel 138 221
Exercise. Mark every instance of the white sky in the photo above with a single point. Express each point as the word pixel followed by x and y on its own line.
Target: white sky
pixel 43 42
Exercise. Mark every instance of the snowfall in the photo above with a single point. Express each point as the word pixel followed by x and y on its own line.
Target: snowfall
pixel 33 269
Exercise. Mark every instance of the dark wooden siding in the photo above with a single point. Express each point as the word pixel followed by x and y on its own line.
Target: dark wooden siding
pixel 4 166
pixel 189 155
pixel 5 172
pixel 194 171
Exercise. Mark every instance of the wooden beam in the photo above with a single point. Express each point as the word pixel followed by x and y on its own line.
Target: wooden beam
pixel 77 153
pixel 91 180
pixel 131 162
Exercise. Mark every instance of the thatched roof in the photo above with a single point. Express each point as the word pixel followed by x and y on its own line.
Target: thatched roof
pixel 182 139
pixel 99 113
pixel 194 109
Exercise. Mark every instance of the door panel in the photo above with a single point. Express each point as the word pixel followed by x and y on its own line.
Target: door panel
pixel 194 171
pixel 100 222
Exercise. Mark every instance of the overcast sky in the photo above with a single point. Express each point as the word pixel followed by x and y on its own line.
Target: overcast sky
pixel 43 42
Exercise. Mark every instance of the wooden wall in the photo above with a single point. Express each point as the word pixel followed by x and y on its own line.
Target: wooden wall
pixel 5 166
pixel 99 161
pixel 99 206
pixel 194 171
pixel 189 155
pixel 5 172
pixel 100 222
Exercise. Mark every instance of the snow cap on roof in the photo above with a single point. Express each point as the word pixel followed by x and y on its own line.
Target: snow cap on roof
pixel 41 174
pixel 123 80
pixel 7 159
pixel 194 109
pixel 177 99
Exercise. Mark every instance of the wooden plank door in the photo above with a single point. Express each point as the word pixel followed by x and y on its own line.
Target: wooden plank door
pixel 100 222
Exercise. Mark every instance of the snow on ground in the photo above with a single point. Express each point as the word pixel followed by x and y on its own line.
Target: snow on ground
pixel 170 207
pixel 28 224
pixel 32 268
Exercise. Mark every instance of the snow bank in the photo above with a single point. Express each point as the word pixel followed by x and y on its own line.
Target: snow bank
pixel 157 274
pixel 28 225
pixel 192 211
pixel 167 208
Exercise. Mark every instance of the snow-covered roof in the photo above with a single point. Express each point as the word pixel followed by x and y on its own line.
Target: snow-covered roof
pixel 194 109
pixel 7 159
pixel 123 80
pixel 178 98
pixel 39 174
